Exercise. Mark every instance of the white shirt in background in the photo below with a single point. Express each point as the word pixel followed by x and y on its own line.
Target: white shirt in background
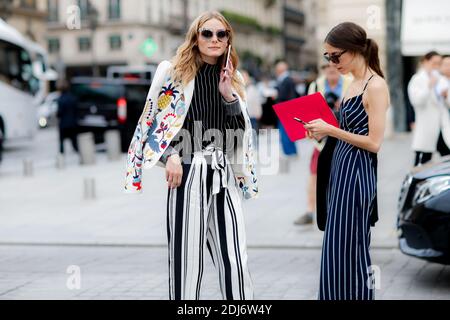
pixel 254 101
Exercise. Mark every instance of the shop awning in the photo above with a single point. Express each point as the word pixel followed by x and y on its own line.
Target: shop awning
pixel 425 27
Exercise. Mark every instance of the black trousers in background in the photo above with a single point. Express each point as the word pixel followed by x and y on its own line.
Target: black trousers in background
pixel 424 157
pixel 68 133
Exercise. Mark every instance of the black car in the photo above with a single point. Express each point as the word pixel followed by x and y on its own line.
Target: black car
pixel 424 212
pixel 105 104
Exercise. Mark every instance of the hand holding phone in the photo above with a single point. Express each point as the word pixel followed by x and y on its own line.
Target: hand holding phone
pixel 228 57
pixel 308 133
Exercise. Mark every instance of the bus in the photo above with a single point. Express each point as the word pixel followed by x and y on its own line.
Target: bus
pixel 23 66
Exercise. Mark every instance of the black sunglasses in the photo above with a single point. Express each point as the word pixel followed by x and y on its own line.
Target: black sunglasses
pixel 334 57
pixel 209 34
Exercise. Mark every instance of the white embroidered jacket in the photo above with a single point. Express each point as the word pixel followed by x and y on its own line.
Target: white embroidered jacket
pixel 163 116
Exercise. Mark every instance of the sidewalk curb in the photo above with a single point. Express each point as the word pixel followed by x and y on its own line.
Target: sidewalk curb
pixel 164 246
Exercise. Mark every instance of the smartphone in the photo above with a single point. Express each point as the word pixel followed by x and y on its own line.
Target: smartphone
pixel 300 120
pixel 228 56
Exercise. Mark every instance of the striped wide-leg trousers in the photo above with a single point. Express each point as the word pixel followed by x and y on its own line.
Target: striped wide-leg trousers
pixel 205 212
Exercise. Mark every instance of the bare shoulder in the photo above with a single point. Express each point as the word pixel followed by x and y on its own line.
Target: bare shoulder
pixel 377 93
pixel 377 85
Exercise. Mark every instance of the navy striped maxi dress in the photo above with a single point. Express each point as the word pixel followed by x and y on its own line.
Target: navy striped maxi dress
pixel 346 264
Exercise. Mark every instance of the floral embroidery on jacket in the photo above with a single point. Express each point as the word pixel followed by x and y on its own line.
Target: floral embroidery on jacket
pixel 158 126
pixel 166 95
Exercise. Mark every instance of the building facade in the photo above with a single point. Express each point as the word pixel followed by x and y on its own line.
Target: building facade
pixel 29 17
pixel 294 32
pixel 149 31
pixel 369 14
pixel 308 55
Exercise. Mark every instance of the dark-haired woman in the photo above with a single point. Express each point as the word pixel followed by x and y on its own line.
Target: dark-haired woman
pixel 347 170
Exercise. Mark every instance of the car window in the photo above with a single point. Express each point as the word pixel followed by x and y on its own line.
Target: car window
pixel 97 93
pixel 137 93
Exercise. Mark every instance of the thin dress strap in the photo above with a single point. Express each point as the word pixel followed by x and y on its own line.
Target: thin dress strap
pixel 367 83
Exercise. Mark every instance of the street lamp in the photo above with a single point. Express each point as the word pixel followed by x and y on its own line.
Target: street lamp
pixel 92 17
pixel 6 7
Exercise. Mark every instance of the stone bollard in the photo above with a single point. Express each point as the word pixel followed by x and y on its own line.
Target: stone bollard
pixel 86 147
pixel 27 168
pixel 112 139
pixel 89 189
pixel 284 165
pixel 60 162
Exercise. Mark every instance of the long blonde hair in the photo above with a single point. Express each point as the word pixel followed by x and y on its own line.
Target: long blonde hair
pixel 188 61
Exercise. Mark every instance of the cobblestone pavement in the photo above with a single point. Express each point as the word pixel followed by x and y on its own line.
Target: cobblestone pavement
pixel 55 212
pixel 119 244
pixel 44 272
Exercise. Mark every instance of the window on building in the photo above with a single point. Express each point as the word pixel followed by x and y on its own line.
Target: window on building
pixel 84 44
pixel 28 4
pixel 53 10
pixel 53 45
pixel 84 9
pixel 114 9
pixel 115 42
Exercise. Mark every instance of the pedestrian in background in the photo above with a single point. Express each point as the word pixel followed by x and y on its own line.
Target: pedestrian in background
pixel 67 116
pixel 347 166
pixel 332 85
pixel 286 91
pixel 254 103
pixel 269 119
pixel 432 126
pixel 200 91
pixel 443 86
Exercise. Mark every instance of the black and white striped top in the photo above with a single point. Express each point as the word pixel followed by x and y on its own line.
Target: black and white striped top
pixel 208 110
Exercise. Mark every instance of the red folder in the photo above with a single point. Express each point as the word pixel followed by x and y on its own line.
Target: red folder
pixel 307 108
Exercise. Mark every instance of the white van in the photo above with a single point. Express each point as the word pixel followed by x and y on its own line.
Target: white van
pixel 22 85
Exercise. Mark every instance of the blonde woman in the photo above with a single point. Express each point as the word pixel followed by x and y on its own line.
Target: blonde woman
pixel 194 107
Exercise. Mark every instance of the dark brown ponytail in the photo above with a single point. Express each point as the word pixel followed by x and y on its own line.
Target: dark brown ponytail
pixel 351 37
pixel 372 58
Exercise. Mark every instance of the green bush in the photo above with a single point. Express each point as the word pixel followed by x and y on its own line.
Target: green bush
pixel 273 30
pixel 249 21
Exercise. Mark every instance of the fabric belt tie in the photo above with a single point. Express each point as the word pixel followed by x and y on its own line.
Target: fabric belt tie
pixel 219 164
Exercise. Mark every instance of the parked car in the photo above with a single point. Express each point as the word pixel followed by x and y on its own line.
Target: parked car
pixel 424 212
pixel 48 109
pixel 105 104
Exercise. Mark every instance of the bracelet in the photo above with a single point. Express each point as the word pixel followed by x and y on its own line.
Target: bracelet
pixel 229 102
pixel 171 155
